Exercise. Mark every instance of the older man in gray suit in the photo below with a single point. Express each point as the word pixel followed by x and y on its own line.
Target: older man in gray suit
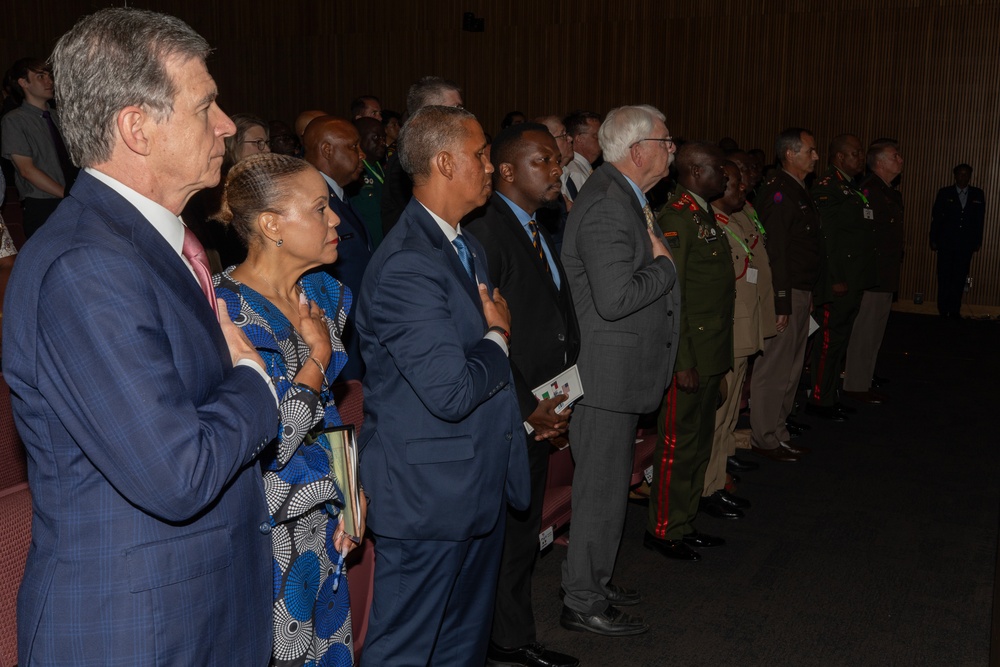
pixel 621 276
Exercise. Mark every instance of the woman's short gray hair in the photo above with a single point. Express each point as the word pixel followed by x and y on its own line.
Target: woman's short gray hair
pixel 112 59
pixel 624 126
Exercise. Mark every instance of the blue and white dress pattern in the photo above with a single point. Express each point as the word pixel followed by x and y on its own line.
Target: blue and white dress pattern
pixel 312 622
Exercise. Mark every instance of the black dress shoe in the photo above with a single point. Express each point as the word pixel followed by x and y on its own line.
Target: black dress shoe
pixel 717 509
pixel 670 548
pixel 798 426
pixel 733 501
pixel 794 450
pixel 531 655
pixel 612 622
pixel 776 454
pixel 825 412
pixel 704 541
pixel 736 464
pixel 847 410
pixel 621 596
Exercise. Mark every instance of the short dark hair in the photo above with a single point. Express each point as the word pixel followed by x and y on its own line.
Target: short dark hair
pixel 19 70
pixel 506 144
pixel 790 139
pixel 389 114
pixel 508 119
pixel 426 91
pixel 961 167
pixel 358 104
pixel 576 121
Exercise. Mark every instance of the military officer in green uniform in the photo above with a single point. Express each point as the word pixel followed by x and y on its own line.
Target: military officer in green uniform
pixel 367 201
pixel 705 352
pixel 849 240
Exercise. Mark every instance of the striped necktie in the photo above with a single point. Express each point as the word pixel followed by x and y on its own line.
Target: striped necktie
pixel 194 251
pixel 536 241
pixel 648 212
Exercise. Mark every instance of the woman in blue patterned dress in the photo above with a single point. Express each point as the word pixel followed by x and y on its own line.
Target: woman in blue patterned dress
pixel 294 316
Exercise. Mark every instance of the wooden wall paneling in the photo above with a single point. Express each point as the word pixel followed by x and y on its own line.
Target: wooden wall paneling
pixel 925 72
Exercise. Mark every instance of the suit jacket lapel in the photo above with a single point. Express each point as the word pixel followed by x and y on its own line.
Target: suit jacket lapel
pixel 509 220
pixel 126 221
pixel 349 216
pixel 426 223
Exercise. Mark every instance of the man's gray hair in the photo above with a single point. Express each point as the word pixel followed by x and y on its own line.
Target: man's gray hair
pixel 878 150
pixel 428 132
pixel 113 59
pixel 624 126
pixel 429 90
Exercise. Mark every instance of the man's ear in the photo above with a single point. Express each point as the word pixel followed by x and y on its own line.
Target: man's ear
pixel 635 152
pixel 506 171
pixel 135 127
pixel 444 162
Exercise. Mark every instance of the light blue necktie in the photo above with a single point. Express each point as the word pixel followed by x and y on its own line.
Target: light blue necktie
pixel 465 255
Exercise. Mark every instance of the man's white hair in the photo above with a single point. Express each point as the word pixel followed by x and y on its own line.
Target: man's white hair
pixel 624 126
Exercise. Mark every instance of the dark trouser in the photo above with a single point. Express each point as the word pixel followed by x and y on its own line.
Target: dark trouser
pixel 36 212
pixel 603 447
pixel 432 601
pixel 952 269
pixel 686 428
pixel 513 618
pixel 829 353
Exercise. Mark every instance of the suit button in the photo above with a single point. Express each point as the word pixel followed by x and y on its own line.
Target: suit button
pixel 669 343
pixel 264 528
pixel 561 338
pixel 670 313
pixel 508 435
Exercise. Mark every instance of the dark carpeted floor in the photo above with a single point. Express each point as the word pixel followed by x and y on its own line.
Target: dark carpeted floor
pixel 878 548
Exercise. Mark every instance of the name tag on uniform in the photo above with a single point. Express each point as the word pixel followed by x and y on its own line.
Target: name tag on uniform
pixel 751 275
pixel 869 214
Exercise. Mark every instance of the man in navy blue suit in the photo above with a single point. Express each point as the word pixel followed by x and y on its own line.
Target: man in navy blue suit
pixel 442 446
pixel 141 415
pixel 333 146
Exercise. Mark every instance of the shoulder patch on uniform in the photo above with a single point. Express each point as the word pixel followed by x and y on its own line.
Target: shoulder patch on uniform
pixel 778 197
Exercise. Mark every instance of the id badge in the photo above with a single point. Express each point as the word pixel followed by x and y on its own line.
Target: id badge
pixel 869 214
pixel 751 275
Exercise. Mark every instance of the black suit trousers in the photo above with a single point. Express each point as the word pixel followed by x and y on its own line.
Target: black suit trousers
pixel 953 264
pixel 513 618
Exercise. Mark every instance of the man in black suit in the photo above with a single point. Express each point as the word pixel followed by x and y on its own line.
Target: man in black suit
pixel 956 233
pixel 524 266
pixel 333 146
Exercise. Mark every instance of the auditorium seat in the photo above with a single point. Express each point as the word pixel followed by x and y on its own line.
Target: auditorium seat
pixel 15 513
pixel 349 398
pixel 13 468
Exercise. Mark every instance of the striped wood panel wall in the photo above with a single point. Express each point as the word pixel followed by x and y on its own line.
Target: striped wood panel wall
pixel 923 71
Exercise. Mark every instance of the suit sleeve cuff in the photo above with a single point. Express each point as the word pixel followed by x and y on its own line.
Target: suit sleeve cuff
pixel 260 371
pixel 498 339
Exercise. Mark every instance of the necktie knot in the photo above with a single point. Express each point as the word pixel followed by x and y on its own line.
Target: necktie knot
pixel 465 255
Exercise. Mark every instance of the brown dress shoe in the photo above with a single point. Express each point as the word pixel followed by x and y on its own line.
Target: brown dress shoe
pixel 776 454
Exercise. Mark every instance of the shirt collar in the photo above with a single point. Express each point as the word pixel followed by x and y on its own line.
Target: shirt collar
pixel 701 202
pixel 170 227
pixel 522 216
pixel 451 233
pixel 640 195
pixel 583 162
pixel 337 190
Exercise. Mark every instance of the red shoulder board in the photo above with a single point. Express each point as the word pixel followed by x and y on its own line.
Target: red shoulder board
pixel 679 204
pixel 722 217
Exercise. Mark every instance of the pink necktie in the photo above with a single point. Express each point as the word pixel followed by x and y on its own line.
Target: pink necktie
pixel 194 251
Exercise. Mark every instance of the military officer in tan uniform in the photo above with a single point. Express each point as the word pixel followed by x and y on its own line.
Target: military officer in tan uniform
pixel 885 164
pixel 795 248
pixel 849 240
pixel 704 354
pixel 753 321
